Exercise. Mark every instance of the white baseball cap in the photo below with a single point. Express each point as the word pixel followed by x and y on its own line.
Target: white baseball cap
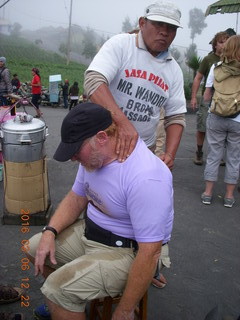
pixel 163 12
pixel 3 59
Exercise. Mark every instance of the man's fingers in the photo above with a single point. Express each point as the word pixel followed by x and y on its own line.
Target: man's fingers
pixel 125 145
pixel 122 150
pixel 37 267
pixel 52 257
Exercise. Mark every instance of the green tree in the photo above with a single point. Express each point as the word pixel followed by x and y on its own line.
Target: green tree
pixel 38 42
pixel 63 49
pixel 192 59
pixel 90 49
pixel 90 45
pixel 194 63
pixel 16 30
pixel 126 25
pixel 196 22
pixel 176 54
pixel 190 52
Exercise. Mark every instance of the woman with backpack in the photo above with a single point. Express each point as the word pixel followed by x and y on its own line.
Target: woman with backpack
pixel 223 122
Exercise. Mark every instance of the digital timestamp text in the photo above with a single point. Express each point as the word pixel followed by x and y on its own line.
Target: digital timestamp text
pixel 25 262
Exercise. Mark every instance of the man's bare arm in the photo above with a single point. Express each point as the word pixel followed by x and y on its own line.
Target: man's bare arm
pixel 67 213
pixel 196 84
pixel 139 278
pixel 174 126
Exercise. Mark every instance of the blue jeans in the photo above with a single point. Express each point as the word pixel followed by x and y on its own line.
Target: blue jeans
pixel 3 101
pixel 65 101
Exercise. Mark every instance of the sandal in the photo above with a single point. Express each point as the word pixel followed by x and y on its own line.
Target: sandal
pixel 159 281
pixel 9 294
pixel 11 316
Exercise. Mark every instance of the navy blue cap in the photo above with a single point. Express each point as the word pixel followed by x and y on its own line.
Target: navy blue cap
pixel 82 122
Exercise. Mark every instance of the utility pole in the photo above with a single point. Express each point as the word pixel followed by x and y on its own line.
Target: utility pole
pixel 237 24
pixel 69 34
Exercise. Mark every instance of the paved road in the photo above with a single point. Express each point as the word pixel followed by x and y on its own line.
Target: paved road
pixel 205 246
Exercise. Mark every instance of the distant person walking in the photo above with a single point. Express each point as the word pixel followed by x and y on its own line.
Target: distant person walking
pixel 5 82
pixel 74 92
pixel 65 88
pixel 36 90
pixel 15 83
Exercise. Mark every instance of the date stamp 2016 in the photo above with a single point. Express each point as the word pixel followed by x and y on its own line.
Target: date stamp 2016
pixel 25 262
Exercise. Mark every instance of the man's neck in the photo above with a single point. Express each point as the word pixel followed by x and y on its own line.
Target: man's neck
pixel 110 154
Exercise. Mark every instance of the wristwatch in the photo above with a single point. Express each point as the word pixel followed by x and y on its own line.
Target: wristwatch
pixel 50 229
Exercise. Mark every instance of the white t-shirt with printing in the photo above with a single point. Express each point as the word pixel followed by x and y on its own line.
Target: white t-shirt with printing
pixel 140 83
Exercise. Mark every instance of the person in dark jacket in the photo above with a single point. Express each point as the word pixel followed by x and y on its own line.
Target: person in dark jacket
pixel 65 88
pixel 5 82
pixel 73 92
pixel 15 83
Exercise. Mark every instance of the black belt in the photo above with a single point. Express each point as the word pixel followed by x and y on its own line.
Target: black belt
pixel 96 233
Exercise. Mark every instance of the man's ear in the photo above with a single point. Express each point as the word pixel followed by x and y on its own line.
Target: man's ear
pixel 141 22
pixel 102 137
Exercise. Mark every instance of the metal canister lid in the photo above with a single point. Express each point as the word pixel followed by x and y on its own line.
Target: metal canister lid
pixel 11 126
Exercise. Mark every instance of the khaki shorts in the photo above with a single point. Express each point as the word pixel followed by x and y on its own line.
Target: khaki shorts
pixel 202 114
pixel 85 269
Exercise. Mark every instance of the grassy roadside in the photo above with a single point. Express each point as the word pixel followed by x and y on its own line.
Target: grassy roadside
pixel 23 55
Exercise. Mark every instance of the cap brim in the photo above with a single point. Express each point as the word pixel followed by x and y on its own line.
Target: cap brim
pixel 155 17
pixel 66 151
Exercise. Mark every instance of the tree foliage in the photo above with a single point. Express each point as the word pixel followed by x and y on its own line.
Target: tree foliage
pixel 194 63
pixel 196 22
pixel 192 59
pixel 127 25
pixel 16 30
pixel 63 48
pixel 190 52
pixel 176 54
pixel 38 42
pixel 89 44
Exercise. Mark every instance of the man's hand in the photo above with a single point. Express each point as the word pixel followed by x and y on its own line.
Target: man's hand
pixel 45 248
pixel 207 95
pixel 127 134
pixel 193 103
pixel 168 159
pixel 127 139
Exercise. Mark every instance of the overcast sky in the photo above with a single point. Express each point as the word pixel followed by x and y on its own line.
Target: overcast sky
pixel 107 16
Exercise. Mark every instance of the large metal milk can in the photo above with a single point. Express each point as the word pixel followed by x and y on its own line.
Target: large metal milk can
pixel 26 188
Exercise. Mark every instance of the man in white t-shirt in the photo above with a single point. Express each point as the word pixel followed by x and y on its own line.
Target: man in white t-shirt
pixel 129 218
pixel 134 76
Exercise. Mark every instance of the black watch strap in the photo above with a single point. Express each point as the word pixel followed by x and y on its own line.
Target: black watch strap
pixel 50 229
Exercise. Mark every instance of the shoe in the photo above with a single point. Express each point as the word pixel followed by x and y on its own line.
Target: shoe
pixel 199 158
pixel 159 282
pixel 42 313
pixel 228 202
pixel 10 294
pixel 206 199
